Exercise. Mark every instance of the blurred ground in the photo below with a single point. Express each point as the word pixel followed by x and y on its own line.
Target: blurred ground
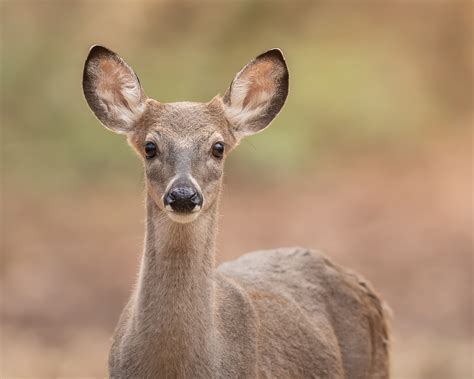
pixel 370 161
pixel 70 265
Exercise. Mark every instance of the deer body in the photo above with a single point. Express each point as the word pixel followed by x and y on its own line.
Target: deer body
pixel 286 313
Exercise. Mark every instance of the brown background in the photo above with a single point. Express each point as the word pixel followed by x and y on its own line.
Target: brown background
pixel 369 161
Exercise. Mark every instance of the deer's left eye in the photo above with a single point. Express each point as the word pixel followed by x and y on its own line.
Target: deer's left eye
pixel 150 149
pixel 218 150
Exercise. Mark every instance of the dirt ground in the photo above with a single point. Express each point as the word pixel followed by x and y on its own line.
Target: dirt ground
pixel 69 260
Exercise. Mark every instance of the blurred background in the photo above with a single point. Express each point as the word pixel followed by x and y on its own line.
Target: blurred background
pixel 370 161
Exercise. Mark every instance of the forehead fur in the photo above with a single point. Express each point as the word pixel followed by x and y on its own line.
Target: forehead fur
pixel 184 120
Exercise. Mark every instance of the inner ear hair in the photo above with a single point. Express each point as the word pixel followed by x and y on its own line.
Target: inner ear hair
pixel 257 93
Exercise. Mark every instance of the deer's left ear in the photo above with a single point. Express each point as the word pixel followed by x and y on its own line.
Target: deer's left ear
pixel 257 93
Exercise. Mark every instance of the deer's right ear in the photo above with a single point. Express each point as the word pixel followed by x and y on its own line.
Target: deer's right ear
pixel 112 90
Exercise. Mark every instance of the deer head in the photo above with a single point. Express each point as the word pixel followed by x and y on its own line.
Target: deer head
pixel 183 145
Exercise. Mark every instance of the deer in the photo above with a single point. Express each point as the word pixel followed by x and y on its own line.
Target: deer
pixel 281 313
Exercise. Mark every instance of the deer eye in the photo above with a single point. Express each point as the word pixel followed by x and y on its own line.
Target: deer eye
pixel 218 150
pixel 150 149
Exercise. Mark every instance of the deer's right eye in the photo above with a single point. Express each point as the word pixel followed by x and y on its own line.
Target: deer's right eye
pixel 150 149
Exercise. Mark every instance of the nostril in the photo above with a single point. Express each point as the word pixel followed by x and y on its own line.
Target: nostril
pixel 196 199
pixel 170 198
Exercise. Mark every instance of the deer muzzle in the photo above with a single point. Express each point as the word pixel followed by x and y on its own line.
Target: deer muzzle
pixel 183 199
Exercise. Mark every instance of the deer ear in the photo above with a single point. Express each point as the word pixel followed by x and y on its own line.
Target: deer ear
pixel 112 90
pixel 257 93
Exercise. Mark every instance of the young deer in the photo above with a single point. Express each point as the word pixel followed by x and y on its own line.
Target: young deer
pixel 284 313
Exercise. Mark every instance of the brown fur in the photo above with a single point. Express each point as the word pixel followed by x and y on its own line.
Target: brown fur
pixel 284 313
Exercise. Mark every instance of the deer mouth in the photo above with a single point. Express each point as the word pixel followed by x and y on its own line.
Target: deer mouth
pixel 183 217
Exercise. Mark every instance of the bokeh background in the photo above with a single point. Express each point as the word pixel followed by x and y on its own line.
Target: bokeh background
pixel 369 161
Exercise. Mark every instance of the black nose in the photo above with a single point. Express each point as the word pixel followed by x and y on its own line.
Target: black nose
pixel 183 199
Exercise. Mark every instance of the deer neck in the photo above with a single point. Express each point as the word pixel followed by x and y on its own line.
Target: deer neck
pixel 175 294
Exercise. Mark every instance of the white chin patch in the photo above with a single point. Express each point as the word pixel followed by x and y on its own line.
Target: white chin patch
pixel 184 218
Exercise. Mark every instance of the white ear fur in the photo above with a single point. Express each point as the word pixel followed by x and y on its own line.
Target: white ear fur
pixel 128 88
pixel 257 93
pixel 112 90
pixel 238 113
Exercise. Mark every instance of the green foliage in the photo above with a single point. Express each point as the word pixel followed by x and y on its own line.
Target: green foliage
pixel 357 78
